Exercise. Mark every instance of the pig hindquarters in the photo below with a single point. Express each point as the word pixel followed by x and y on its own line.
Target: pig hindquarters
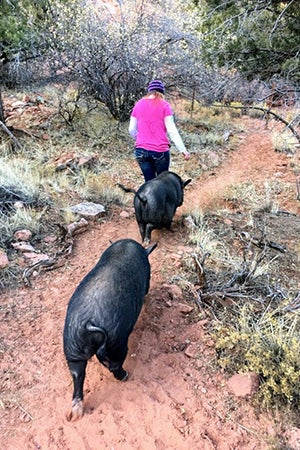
pixel 156 201
pixel 103 311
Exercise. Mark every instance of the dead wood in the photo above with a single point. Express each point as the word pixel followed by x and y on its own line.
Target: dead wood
pixel 268 112
pixel 10 134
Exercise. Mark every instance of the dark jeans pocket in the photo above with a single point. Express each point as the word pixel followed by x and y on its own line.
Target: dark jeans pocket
pixel 141 155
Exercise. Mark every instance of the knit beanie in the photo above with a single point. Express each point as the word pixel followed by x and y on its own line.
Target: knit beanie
pixel 156 85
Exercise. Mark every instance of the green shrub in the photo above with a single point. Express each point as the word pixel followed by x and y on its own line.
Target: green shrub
pixel 268 344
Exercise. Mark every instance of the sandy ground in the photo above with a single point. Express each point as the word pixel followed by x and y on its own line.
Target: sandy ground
pixel 171 401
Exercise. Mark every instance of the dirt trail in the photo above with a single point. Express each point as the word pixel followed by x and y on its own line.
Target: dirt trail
pixel 171 401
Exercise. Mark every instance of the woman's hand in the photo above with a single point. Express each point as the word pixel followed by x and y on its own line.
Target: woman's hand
pixel 186 155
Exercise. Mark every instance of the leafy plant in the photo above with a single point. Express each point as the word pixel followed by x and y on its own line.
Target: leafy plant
pixel 267 343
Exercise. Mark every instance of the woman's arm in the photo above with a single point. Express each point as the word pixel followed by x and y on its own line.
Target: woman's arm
pixel 175 136
pixel 132 127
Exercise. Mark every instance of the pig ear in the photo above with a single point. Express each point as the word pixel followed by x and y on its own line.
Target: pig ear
pixel 151 248
pixel 187 182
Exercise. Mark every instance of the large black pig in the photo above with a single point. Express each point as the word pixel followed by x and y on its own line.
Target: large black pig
pixel 156 201
pixel 103 311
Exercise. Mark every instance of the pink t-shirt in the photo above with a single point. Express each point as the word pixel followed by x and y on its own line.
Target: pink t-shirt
pixel 151 130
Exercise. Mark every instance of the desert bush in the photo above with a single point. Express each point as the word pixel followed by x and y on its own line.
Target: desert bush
pixel 284 142
pixel 267 343
pixel 255 321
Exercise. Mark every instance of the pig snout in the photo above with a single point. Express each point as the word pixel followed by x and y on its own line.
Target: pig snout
pixel 102 312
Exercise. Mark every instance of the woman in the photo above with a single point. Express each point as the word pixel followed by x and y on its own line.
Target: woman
pixel 151 122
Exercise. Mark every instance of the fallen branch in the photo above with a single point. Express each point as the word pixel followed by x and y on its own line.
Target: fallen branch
pixel 13 138
pixel 267 112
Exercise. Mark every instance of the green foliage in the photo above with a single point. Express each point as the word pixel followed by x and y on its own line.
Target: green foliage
pixel 24 25
pixel 257 38
pixel 267 344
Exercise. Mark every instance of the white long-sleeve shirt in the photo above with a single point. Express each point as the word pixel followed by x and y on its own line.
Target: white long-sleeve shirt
pixel 171 130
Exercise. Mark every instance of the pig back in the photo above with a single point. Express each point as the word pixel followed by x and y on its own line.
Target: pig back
pixel 156 200
pixel 110 296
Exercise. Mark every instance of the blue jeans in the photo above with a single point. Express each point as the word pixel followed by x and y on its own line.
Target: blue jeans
pixel 152 163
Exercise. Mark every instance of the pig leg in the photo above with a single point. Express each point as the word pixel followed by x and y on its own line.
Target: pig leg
pixel 116 360
pixel 142 229
pixel 149 228
pixel 77 369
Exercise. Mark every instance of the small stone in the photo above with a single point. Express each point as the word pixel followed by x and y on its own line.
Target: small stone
pixel 88 210
pixel 22 247
pixel 243 384
pixel 184 308
pixel 23 235
pixel 36 257
pixel 124 214
pixel 19 205
pixel 4 262
pixel 50 239
pixel 192 351
pixel 174 291
pixel 75 226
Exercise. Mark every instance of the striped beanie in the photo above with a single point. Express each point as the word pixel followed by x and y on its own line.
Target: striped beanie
pixel 156 85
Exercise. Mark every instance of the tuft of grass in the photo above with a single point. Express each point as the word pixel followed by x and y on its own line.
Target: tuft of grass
pixel 247 196
pixel 99 188
pixel 285 142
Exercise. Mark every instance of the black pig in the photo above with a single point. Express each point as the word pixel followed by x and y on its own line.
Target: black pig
pixel 103 311
pixel 156 201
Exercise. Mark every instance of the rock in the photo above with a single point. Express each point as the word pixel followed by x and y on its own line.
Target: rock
pixel 243 384
pixel 174 291
pixel 4 262
pixel 189 222
pixel 293 438
pixel 19 205
pixel 36 257
pixel 50 239
pixel 23 235
pixel 86 161
pixel 22 247
pixel 88 210
pixel 214 158
pixel 75 226
pixel 18 104
pixel 125 214
pixel 26 99
pixel 184 308
pixel 227 134
pixel 192 351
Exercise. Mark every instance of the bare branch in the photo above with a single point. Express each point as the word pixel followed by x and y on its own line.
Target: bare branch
pixel 12 137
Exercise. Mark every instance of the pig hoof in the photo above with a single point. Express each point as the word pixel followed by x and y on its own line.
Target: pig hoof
pixel 125 376
pixel 120 374
pixel 76 411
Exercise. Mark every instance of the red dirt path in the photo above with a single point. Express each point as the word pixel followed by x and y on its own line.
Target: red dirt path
pixel 170 401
